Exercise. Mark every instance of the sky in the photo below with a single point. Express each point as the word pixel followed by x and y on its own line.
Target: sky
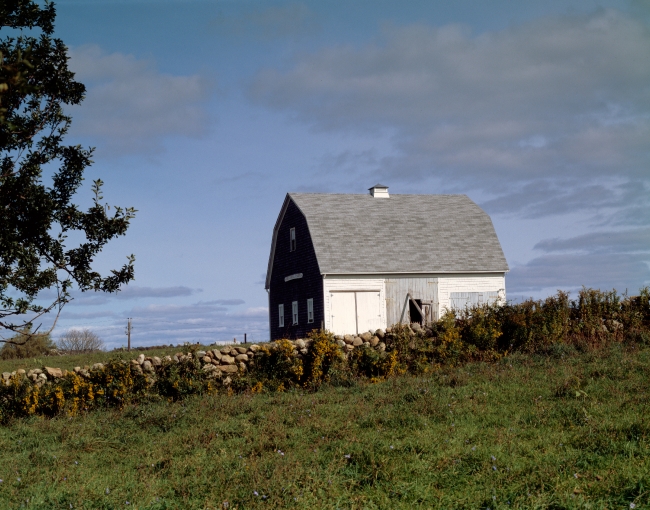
pixel 204 114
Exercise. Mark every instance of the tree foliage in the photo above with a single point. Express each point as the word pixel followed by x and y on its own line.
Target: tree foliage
pixel 39 174
pixel 26 344
pixel 79 341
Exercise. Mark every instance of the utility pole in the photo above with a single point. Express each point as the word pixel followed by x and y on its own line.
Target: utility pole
pixel 128 334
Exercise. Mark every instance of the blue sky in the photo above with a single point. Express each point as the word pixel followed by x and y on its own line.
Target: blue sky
pixel 205 113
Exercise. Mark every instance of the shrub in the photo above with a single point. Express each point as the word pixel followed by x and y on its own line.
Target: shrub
pixel 322 357
pixel 278 367
pixel 375 365
pixel 178 380
pixel 448 347
pixel 481 327
pixel 26 345
pixel 115 385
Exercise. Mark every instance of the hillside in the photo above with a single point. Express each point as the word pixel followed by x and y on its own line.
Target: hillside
pixel 566 430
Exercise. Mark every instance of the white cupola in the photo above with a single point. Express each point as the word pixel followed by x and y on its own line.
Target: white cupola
pixel 379 191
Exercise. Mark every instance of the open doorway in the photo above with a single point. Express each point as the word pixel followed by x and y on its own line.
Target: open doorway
pixel 414 313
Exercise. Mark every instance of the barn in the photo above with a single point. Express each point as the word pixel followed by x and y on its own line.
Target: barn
pixel 351 263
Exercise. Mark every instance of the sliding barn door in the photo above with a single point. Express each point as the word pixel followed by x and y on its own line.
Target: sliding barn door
pixel 368 311
pixel 344 319
pixel 355 312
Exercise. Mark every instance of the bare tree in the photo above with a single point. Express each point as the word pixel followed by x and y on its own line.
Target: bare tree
pixel 80 340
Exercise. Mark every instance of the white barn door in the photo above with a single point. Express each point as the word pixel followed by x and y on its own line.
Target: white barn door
pixel 355 312
pixel 344 320
pixel 368 311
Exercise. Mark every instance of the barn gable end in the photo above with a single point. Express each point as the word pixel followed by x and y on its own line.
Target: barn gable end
pixel 293 276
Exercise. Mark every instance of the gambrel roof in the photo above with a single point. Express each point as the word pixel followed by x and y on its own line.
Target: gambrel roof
pixel 357 234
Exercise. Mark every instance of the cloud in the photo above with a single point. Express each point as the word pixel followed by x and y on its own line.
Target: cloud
pixel 552 98
pixel 130 106
pixel 186 312
pixel 223 302
pixel 541 198
pixel 200 322
pixel 259 312
pixel 131 292
pixel 85 299
pixel 634 240
pixel 570 271
pixel 134 292
pixel 608 259
pixel 273 22
pixel 88 315
pixel 157 323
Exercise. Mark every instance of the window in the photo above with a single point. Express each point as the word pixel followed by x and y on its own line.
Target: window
pixel 281 315
pixel 292 239
pixel 294 312
pixel 310 310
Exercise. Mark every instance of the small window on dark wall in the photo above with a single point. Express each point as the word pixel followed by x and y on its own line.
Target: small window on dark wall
pixel 310 310
pixel 292 239
pixel 294 312
pixel 281 315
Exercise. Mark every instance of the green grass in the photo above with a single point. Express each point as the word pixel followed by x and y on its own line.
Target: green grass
pixel 527 432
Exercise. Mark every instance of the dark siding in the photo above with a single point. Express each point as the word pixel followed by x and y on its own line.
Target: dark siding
pixel 285 263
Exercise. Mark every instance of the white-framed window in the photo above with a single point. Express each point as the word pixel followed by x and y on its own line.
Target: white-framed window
pixel 294 312
pixel 310 310
pixel 292 239
pixel 281 315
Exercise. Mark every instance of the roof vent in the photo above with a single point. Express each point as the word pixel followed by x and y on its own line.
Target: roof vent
pixel 379 191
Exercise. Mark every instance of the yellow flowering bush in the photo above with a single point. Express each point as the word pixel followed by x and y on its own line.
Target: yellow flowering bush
pixel 322 356
pixel 278 365
pixel 367 362
pixel 117 384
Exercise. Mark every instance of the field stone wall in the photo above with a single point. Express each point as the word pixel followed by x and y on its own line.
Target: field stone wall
pixel 218 363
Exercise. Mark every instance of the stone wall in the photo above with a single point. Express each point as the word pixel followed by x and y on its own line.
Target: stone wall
pixel 218 363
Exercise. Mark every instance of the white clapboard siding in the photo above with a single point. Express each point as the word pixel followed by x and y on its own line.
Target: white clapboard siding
pixel 469 284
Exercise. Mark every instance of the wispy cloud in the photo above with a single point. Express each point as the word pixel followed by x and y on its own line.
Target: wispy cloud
pixel 130 292
pixel 608 259
pixel 560 196
pixel 134 292
pixel 164 323
pixel 553 98
pixel 276 21
pixel 626 241
pixel 156 324
pixel 570 271
pixel 131 106
pixel 223 302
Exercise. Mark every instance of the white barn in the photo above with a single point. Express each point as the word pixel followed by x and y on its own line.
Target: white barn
pixel 353 263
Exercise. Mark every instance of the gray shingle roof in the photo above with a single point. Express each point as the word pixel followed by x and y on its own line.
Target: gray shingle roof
pixel 401 234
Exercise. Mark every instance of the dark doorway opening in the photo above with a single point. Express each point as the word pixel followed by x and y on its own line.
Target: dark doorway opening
pixel 414 313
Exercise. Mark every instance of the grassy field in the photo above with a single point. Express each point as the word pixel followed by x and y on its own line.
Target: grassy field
pixel 569 431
